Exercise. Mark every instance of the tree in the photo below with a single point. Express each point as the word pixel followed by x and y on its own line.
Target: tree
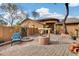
pixel 13 13
pixel 35 14
pixel 3 22
pixel 64 22
pixel 10 9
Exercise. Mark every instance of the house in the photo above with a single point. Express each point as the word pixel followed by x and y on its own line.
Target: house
pixel 53 23
pixel 40 23
pixel 30 27
pixel 72 24
pixel 31 23
pixel 49 23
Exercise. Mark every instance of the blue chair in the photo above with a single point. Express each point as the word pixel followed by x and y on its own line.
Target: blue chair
pixel 16 37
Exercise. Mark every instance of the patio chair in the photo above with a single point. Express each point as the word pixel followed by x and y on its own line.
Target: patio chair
pixel 16 37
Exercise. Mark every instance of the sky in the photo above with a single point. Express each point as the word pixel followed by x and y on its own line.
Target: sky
pixel 47 10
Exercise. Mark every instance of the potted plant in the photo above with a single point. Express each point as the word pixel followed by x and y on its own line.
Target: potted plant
pixel 73 36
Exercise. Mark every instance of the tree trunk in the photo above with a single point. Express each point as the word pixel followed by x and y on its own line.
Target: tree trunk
pixel 12 20
pixel 64 22
pixel 64 25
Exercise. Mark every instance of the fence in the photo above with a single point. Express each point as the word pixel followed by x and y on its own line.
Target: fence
pixel 6 32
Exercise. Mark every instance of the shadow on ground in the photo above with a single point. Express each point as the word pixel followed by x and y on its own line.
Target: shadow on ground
pixel 58 42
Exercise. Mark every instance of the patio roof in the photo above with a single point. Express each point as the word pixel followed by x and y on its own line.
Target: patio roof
pixel 70 21
pixel 48 19
pixel 31 20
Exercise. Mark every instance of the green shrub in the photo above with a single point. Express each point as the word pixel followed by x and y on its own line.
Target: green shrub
pixel 58 29
pixel 72 35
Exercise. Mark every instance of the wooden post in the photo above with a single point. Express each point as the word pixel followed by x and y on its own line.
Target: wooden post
pixel 49 34
pixel 54 28
pixel 77 32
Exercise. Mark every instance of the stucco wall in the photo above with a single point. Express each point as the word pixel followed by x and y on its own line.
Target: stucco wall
pixel 71 28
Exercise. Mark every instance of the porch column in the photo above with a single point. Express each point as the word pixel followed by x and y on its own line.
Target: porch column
pixel 55 28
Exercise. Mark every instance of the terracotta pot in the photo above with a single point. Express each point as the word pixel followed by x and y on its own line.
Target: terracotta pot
pixel 78 54
pixel 76 50
pixel 75 45
pixel 71 48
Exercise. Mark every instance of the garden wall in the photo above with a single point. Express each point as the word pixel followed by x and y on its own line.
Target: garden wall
pixel 6 32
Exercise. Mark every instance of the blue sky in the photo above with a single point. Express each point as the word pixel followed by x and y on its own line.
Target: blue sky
pixel 45 10
pixel 56 9
pixel 31 6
